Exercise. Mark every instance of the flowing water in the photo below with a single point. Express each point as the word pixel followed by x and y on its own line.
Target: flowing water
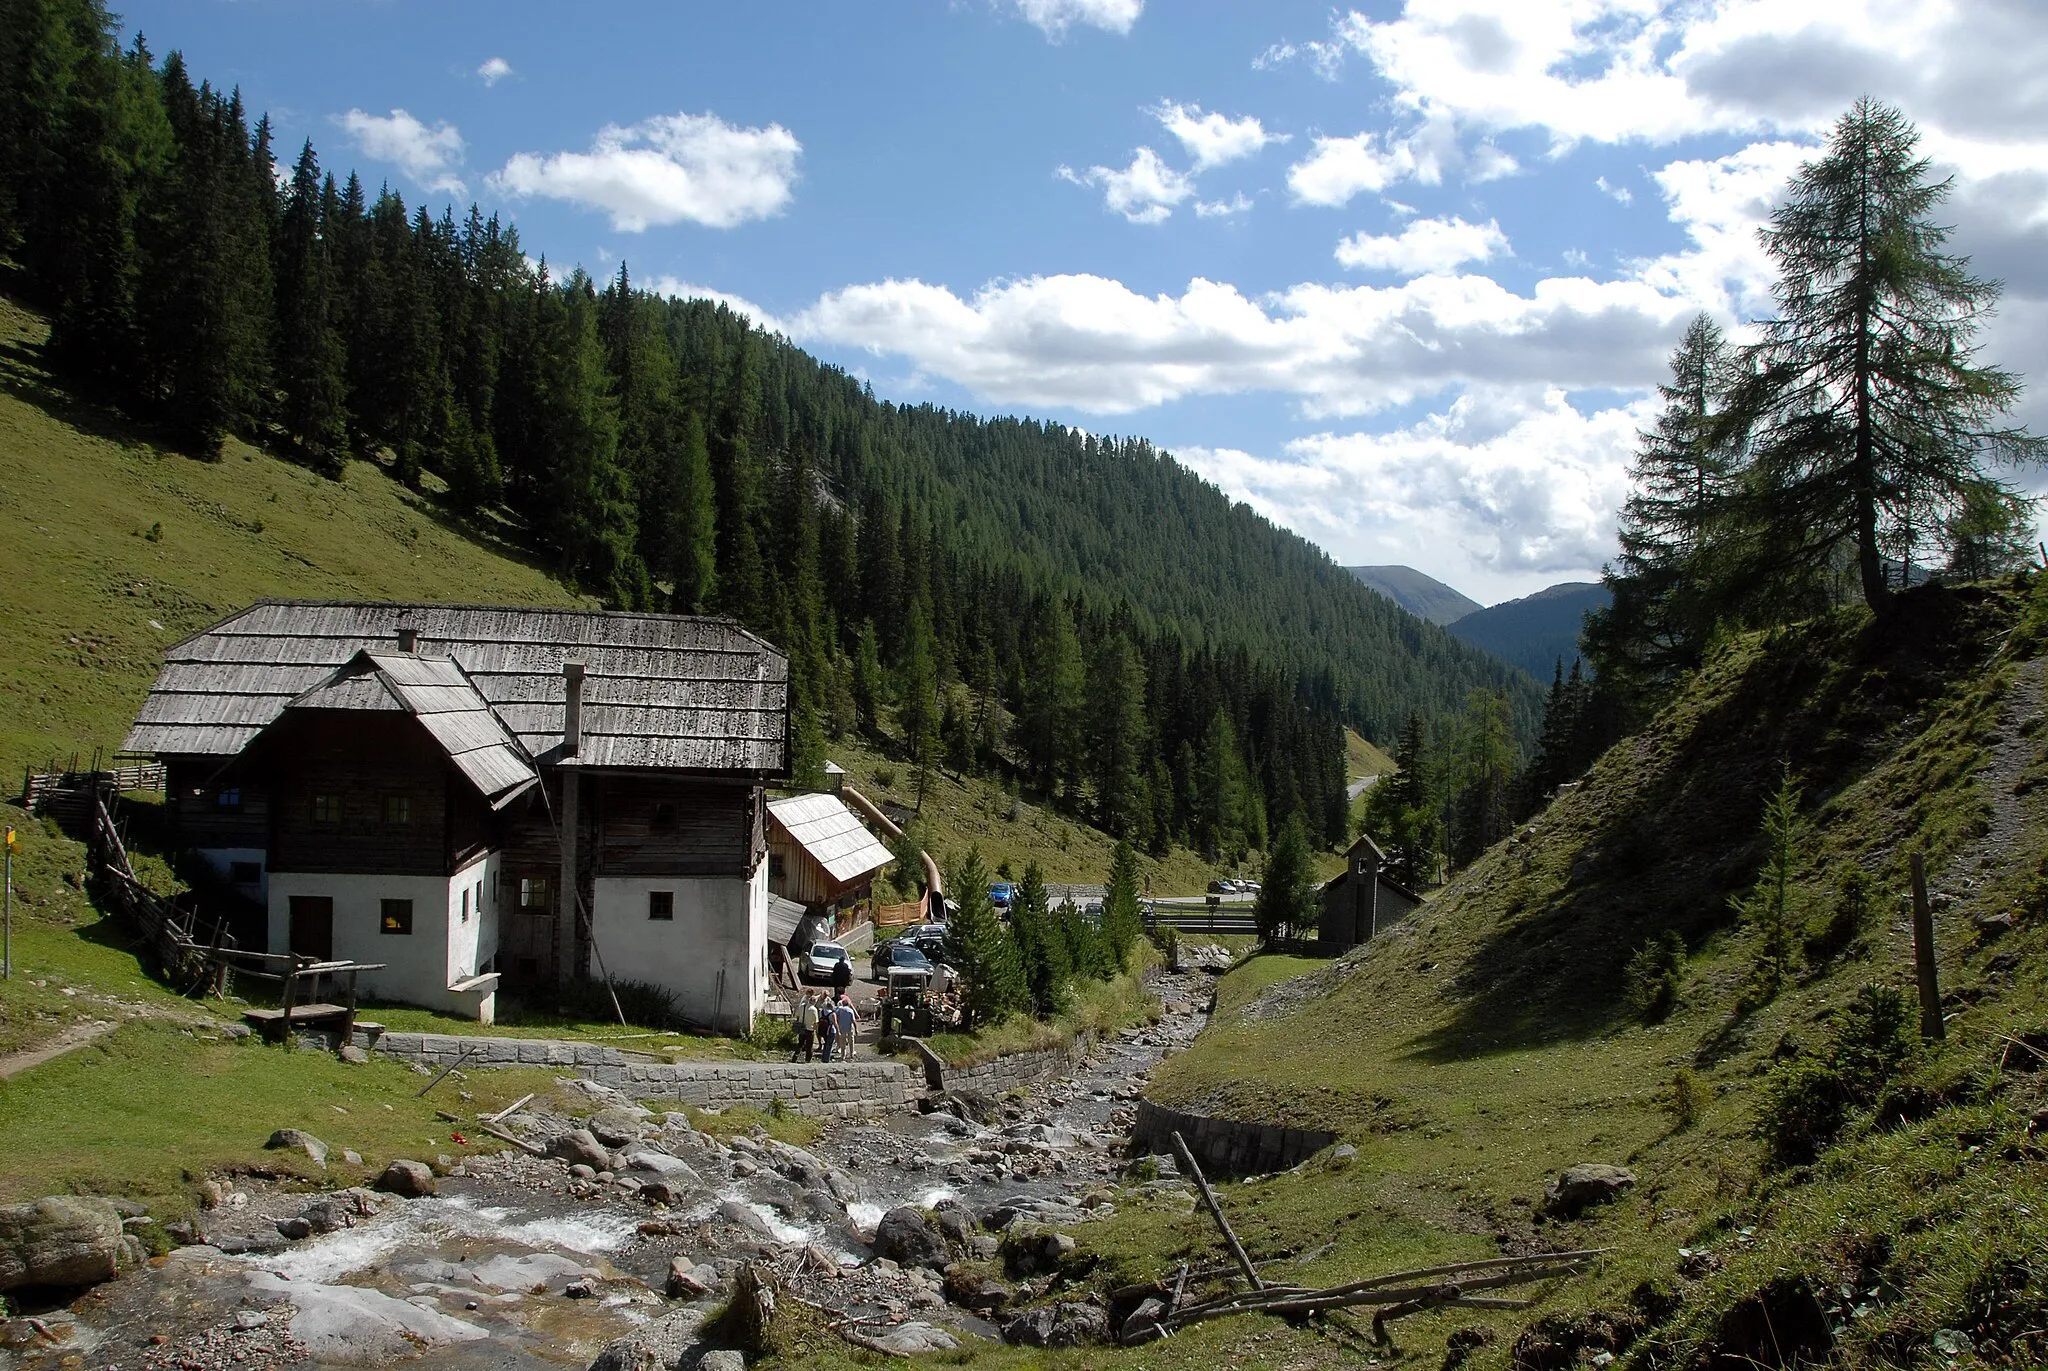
pixel 515 1266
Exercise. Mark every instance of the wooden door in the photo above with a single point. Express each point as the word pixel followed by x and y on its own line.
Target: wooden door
pixel 313 926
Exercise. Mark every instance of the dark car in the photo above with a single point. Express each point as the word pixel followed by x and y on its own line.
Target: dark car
pixel 897 952
pixel 933 945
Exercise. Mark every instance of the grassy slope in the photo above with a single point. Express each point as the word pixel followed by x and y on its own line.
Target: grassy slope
pixel 1361 758
pixel 1486 1045
pixel 78 494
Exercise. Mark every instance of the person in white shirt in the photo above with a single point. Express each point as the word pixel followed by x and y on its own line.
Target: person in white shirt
pixel 806 1028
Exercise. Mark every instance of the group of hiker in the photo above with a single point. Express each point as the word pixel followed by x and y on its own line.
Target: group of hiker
pixel 828 1026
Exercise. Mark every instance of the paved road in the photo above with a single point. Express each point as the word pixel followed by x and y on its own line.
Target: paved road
pixel 1360 786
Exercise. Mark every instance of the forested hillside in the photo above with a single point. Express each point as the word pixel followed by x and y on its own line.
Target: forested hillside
pixel 1080 614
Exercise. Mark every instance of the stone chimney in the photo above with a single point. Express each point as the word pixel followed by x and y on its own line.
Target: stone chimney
pixel 408 638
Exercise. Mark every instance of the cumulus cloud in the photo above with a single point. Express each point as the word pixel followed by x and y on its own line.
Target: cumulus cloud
pixel 494 70
pixel 1337 169
pixel 1145 192
pixel 1055 17
pixel 1090 343
pixel 671 169
pixel 429 156
pixel 1212 139
pixel 1516 483
pixel 1325 59
pixel 1425 245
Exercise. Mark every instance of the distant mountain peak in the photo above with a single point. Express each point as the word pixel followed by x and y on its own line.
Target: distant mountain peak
pixel 1421 595
pixel 1538 631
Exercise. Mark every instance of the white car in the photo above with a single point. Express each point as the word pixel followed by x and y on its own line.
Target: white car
pixel 822 960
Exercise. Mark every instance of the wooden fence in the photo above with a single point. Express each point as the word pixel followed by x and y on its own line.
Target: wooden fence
pixel 186 955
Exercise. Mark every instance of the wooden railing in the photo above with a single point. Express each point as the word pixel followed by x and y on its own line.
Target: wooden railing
pixel 55 791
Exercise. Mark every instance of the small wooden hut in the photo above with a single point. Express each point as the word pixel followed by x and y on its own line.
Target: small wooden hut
pixel 821 856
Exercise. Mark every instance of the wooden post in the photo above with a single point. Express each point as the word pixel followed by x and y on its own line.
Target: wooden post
pixel 291 984
pixel 348 1022
pixel 1237 1252
pixel 1923 954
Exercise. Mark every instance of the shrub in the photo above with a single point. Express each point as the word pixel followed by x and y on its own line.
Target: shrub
pixel 1855 894
pixel 885 777
pixel 1772 905
pixel 1809 1100
pixel 1682 1102
pixel 1656 977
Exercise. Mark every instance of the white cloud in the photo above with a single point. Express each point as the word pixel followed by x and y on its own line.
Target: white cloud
pixel 1621 195
pixel 1094 344
pixel 1222 209
pixel 1145 192
pixel 1721 203
pixel 1425 245
pixel 1055 17
pixel 428 155
pixel 667 170
pixel 1338 169
pixel 1513 483
pixel 1212 139
pixel 494 70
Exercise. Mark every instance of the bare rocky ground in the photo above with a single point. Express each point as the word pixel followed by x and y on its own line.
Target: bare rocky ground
pixel 912 1230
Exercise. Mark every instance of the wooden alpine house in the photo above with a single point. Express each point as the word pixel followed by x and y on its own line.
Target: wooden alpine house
pixel 469 795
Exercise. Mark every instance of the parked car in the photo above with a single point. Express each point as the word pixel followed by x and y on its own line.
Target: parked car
pixel 821 961
pixel 1248 887
pixel 897 952
pixel 1002 893
pixel 932 945
pixel 1220 887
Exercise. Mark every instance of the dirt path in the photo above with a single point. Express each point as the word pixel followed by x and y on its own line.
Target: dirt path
pixel 2012 752
pixel 76 1036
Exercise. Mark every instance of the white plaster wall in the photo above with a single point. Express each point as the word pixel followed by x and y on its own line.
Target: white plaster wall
pixel 472 944
pixel 418 966
pixel 720 924
pixel 222 860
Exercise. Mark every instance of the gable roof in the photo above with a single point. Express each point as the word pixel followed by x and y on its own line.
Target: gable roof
pixel 436 693
pixel 831 834
pixel 661 691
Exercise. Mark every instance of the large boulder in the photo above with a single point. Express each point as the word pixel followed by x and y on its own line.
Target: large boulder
pixel 577 1146
pixel 63 1240
pixel 1580 1187
pixel 673 1343
pixel 909 1237
pixel 300 1141
pixel 1058 1325
pixel 675 1170
pixel 617 1126
pixel 914 1339
pixel 409 1179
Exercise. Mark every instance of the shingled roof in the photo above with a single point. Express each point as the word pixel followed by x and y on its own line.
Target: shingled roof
pixel 661 691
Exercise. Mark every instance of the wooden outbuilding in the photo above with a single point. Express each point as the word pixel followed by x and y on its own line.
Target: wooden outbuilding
pixel 821 856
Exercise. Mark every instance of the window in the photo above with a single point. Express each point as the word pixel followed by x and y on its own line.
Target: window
pixel 327 808
pixel 397 916
pixel 231 798
pixel 661 904
pixel 533 893
pixel 775 867
pixel 663 818
pixel 245 873
pixel 465 904
pixel 398 809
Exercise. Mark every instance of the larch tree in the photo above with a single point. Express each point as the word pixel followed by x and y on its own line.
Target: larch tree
pixel 311 363
pixel 1873 415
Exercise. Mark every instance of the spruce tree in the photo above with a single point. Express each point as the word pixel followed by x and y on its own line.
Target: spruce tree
pixel 869 687
pixel 1048 974
pixel 1122 921
pixel 1871 408
pixel 1290 900
pixel 980 947
pixel 311 366
pixel 1117 737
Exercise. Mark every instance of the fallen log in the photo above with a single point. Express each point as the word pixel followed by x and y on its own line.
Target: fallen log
pixel 1237 1252
pixel 522 1144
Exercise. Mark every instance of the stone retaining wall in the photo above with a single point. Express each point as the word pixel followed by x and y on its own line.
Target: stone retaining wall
pixel 1017 1071
pixel 820 1088
pixel 1227 1147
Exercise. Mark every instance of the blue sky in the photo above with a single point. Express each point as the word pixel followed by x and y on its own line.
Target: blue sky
pixel 1400 276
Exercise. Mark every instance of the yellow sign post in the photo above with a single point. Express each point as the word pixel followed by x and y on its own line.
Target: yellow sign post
pixel 7 919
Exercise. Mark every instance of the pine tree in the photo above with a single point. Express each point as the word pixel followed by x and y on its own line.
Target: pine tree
pixel 1484 807
pixel 1404 813
pixel 692 539
pixel 1290 900
pixel 1117 737
pixel 869 686
pixel 311 366
pixel 1772 904
pixel 981 948
pixel 1122 921
pixel 1053 702
pixel 1871 408
pixel 920 700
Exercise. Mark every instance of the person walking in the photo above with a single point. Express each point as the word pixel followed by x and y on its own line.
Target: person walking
pixel 806 1028
pixel 842 976
pixel 828 1030
pixel 849 1027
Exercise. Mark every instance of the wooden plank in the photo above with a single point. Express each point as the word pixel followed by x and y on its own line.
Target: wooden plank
pixel 1237 1252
